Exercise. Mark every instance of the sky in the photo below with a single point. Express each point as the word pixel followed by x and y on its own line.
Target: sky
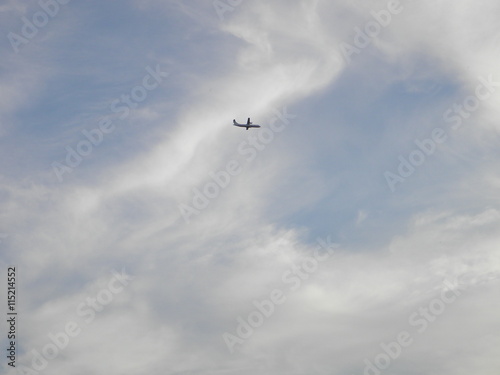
pixel 355 232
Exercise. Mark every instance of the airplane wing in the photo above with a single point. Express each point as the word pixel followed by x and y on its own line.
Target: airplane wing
pixel 248 122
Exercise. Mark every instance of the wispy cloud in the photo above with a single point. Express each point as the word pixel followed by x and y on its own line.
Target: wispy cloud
pixel 321 177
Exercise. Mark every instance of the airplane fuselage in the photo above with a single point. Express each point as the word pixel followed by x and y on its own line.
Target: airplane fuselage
pixel 248 125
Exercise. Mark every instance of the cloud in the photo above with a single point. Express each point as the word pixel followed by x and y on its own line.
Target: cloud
pixel 321 176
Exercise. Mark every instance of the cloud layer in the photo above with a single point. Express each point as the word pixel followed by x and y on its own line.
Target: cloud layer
pixel 296 255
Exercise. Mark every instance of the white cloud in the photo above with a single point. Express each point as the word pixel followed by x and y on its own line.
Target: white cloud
pixel 192 281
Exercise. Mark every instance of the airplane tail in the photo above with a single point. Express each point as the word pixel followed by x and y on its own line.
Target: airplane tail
pixel 234 122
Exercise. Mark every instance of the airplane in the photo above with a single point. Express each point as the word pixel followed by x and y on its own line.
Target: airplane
pixel 247 125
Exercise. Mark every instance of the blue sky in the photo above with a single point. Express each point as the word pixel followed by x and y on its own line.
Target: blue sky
pixel 147 231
